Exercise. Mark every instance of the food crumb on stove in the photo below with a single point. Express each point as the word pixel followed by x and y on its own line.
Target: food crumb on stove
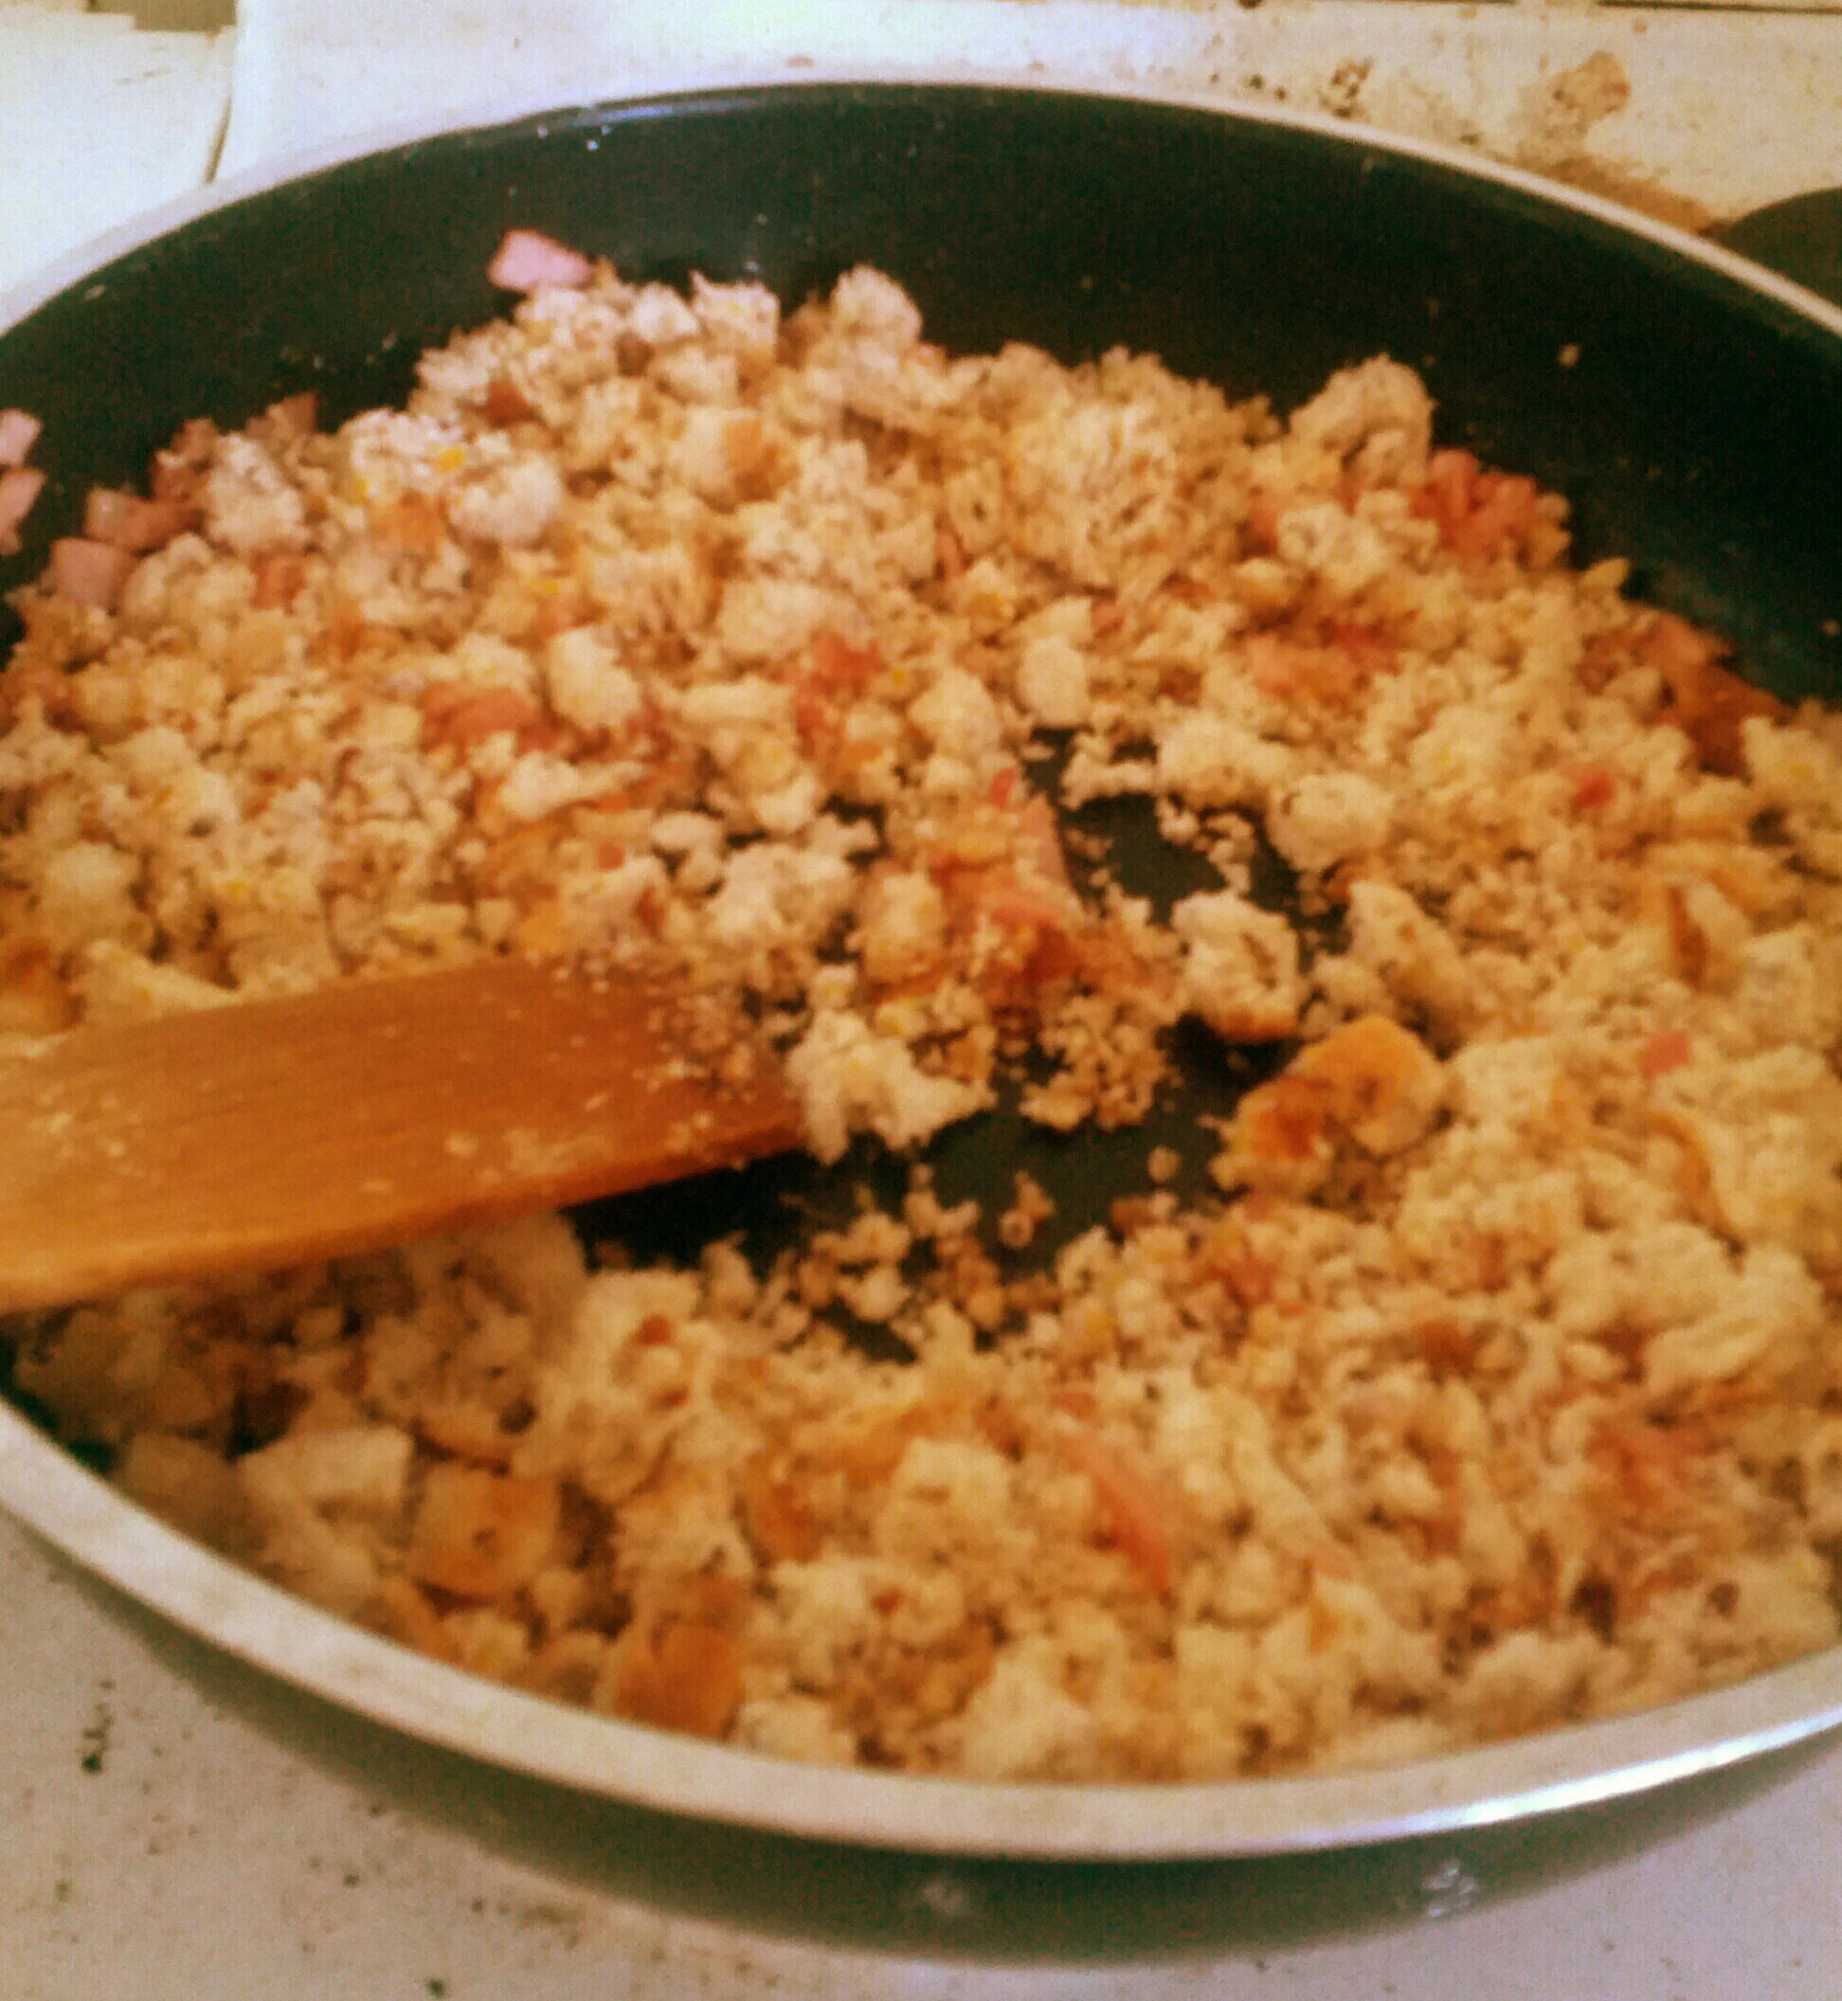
pixel 1496 1386
pixel 98 1734
pixel 1030 1208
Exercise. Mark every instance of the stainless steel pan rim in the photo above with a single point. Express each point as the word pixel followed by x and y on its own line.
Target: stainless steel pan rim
pixel 89 1521
pixel 215 1599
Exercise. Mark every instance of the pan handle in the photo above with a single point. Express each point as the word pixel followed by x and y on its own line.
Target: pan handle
pixel 1799 238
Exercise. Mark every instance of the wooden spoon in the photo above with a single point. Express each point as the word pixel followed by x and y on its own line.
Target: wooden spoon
pixel 361 1115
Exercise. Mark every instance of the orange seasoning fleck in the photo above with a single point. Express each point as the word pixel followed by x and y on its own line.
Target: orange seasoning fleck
pixel 837 664
pixel 1688 941
pixel 1502 515
pixel 1445 1346
pixel 1647 1464
pixel 278 580
pixel 466 716
pixel 1480 514
pixel 1367 645
pixel 1708 702
pixel 1135 1518
pixel 126 521
pixel 1667 1050
pixel 1446 495
pixel 560 610
pixel 1000 1425
pixel 345 625
pixel 1593 787
pixel 1294 671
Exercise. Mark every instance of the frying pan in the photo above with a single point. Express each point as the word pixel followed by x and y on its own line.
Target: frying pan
pixel 1688 403
pixel 1799 237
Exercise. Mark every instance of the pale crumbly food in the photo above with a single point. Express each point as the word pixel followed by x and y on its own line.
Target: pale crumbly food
pixel 1498 1384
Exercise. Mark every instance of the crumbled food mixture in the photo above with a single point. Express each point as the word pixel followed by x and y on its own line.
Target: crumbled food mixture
pixel 1498 1384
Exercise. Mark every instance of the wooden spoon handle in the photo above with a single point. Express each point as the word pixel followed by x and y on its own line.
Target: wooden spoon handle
pixel 363 1114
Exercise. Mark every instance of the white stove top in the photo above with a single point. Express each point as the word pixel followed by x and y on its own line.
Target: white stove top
pixel 178 1826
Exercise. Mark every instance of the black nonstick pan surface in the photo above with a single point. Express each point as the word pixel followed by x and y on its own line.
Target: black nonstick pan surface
pixel 1691 413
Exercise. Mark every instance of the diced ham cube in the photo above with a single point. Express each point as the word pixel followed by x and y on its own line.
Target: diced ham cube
pixel 1593 786
pixel 89 572
pixel 1669 1049
pixel 526 260
pixel 19 431
pixel 126 521
pixel 19 488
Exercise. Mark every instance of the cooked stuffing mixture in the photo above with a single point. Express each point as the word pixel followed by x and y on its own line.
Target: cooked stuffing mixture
pixel 1494 1382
